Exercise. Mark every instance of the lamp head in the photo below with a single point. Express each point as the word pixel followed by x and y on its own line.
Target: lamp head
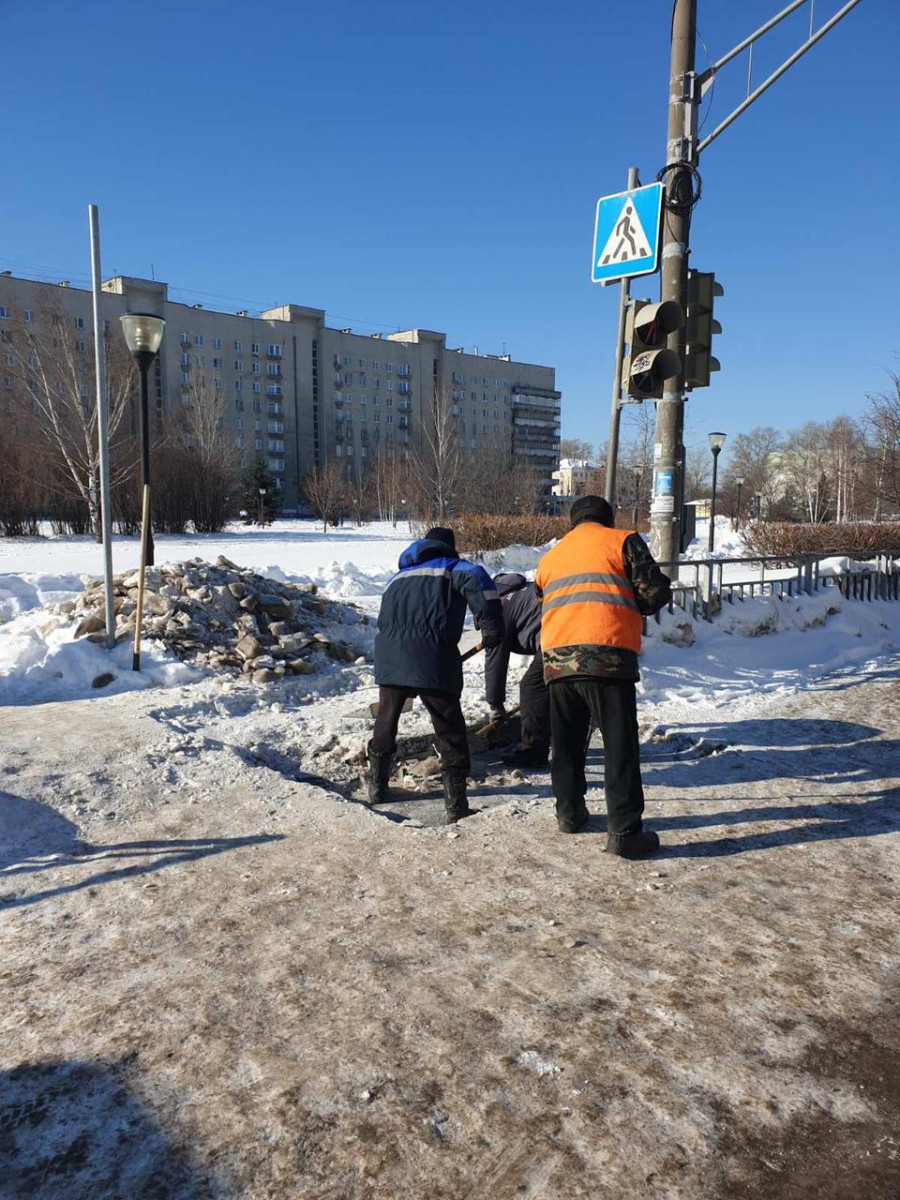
pixel 740 481
pixel 143 332
pixel 716 441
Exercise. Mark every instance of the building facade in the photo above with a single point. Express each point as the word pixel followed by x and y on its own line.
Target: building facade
pixel 301 393
pixel 577 477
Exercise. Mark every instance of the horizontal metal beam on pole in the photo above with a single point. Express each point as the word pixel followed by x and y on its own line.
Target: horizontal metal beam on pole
pixel 766 84
pixel 707 75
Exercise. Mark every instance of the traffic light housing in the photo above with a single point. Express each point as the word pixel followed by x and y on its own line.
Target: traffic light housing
pixel 649 363
pixel 701 326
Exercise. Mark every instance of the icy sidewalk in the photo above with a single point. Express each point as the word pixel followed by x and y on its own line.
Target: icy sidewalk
pixel 291 996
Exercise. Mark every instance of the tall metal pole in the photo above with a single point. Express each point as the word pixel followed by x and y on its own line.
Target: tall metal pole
pixel 145 358
pixel 102 429
pixel 665 508
pixel 615 418
pixel 712 504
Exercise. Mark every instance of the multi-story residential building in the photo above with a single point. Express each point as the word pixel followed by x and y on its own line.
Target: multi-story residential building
pixel 299 393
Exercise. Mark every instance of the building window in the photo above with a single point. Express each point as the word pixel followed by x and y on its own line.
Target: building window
pixel 4 312
pixel 239 423
pixel 276 427
pixel 362 398
pixel 28 314
pixel 254 347
pixel 198 340
pixel 276 464
pixel 389 403
pixel 375 382
pixel 239 385
pixel 390 386
pixel 239 406
pixel 239 346
pixel 184 338
pixel 185 360
pixel 272 369
pixel 79 322
pixel 362 364
pixel 390 418
pixel 273 389
pixel 218 383
pixel 376 365
pixel 257 405
pixel 257 443
pixel 276 446
pixel 403 369
pixel 274 350
pixel 185 379
pixel 239 442
pixel 254 367
pixel 239 364
pixel 256 386
pixel 218 363
pixel 376 417
pixel 217 343
pixel 348 362
pixel 389 368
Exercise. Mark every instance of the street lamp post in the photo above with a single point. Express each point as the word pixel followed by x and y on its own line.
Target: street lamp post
pixel 143 334
pixel 758 498
pixel 716 442
pixel 638 476
pixel 262 507
pixel 737 516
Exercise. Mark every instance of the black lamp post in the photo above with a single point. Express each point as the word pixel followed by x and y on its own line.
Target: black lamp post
pixel 737 516
pixel 716 442
pixel 143 333
pixel 262 507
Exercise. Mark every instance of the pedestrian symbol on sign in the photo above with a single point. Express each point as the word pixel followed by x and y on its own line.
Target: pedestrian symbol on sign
pixel 627 240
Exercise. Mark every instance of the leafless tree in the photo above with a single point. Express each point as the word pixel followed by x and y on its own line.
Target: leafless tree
pixel 391 484
pixel 882 422
pixel 576 449
pixel 325 488
pixel 198 426
pixel 435 462
pixel 52 363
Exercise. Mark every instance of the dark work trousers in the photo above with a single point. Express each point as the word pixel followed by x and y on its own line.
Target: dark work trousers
pixel 613 706
pixel 446 717
pixel 534 707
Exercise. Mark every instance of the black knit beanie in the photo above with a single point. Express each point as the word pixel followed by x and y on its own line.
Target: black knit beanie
pixel 440 534
pixel 591 508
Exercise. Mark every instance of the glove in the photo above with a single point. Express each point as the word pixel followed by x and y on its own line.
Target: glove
pixel 498 713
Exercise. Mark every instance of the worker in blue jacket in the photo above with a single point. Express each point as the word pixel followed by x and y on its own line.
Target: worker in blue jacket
pixel 423 611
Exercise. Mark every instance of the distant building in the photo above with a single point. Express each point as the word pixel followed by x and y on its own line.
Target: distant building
pixel 300 393
pixel 577 477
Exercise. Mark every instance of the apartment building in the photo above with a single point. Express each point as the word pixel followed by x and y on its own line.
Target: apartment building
pixel 299 392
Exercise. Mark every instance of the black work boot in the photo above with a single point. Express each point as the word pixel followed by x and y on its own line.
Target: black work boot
pixel 455 800
pixel 379 775
pixel 531 757
pixel 575 823
pixel 639 844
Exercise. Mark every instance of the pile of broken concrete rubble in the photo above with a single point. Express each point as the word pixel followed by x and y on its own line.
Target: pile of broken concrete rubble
pixel 221 617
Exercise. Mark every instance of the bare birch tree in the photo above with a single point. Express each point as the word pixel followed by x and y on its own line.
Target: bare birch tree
pixel 435 463
pixel 325 489
pixel 52 362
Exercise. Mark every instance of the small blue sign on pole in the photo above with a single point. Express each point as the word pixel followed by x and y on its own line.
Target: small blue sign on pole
pixel 627 234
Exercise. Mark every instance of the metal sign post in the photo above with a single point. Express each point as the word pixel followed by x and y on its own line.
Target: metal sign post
pixel 102 429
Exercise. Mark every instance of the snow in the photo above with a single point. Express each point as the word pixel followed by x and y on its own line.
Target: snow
pixel 760 645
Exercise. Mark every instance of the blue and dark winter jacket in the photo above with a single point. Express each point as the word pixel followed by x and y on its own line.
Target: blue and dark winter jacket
pixel 423 610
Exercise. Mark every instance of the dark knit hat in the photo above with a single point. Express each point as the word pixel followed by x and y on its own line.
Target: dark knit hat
pixel 591 508
pixel 440 534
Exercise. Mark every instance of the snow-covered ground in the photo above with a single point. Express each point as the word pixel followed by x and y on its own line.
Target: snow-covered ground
pixel 763 644
pixel 222 979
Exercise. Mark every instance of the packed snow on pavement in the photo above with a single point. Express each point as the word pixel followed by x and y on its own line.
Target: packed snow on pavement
pixel 223 977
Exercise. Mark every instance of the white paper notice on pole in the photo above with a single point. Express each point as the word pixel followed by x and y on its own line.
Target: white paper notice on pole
pixel 657 450
pixel 663 504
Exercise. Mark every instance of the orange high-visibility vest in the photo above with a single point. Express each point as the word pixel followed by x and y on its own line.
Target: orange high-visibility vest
pixel 587 596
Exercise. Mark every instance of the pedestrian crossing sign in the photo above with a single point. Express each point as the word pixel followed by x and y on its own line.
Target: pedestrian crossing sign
pixel 627 234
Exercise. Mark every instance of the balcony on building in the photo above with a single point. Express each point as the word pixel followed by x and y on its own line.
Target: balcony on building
pixel 403 405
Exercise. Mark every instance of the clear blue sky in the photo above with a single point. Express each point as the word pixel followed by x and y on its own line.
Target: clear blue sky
pixel 402 164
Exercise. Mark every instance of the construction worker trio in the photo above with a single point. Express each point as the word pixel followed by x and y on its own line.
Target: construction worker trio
pixel 581 620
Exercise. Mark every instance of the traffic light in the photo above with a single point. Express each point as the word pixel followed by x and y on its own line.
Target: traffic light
pixel 648 362
pixel 701 325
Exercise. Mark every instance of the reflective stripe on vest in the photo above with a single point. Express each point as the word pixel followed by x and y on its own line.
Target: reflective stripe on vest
pixel 584 607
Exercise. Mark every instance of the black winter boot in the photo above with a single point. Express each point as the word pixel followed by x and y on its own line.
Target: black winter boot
pixel 641 844
pixel 455 799
pixel 378 777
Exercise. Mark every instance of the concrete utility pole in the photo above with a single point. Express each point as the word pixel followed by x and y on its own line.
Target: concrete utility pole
pixel 668 490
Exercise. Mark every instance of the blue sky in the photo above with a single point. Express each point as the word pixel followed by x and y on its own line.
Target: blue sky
pixel 401 164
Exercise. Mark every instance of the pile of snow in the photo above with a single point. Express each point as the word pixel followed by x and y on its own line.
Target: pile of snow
pixel 33 589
